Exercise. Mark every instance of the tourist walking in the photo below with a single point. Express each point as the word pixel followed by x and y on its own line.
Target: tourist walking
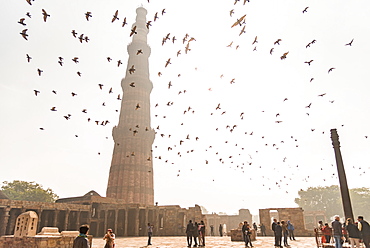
pixel 220 230
pixel 364 228
pixel 212 230
pixel 81 240
pixel 278 234
pixel 284 227
pixel 353 233
pixel 327 232
pixel 290 230
pixel 263 229
pixel 189 233
pixel 337 231
pixel 150 233
pixel 109 238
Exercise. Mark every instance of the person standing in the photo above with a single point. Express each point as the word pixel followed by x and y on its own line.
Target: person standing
pixel 278 234
pixel 189 232
pixel 81 240
pixel 109 238
pixel 291 230
pixel 220 230
pixel 245 233
pixel 195 234
pixel 337 231
pixel 255 227
pixel 150 233
pixel 284 227
pixel 364 228
pixel 263 229
pixel 353 233
pixel 202 233
pixel 273 227
pixel 327 232
pixel 212 230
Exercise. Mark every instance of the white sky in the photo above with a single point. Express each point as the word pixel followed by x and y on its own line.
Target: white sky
pixel 71 165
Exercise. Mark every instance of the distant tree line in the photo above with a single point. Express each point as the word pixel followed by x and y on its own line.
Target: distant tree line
pixel 329 199
pixel 27 191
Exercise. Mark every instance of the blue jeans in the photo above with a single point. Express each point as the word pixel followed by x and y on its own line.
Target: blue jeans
pixel 338 241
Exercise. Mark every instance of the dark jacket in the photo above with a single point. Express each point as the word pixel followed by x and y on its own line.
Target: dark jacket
pixel 81 242
pixel 353 231
pixel 278 230
pixel 365 230
pixel 195 230
pixel 273 226
pixel 189 229
pixel 337 228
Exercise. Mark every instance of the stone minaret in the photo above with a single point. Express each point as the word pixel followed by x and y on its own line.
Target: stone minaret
pixel 131 171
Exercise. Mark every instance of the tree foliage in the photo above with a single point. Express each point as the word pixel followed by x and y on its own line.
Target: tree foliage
pixel 329 199
pixel 28 191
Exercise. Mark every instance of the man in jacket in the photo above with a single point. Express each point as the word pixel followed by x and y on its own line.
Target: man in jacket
pixel 364 228
pixel 81 240
pixel 337 231
pixel 189 232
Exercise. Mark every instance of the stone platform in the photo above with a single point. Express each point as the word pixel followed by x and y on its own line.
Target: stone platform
pixel 211 242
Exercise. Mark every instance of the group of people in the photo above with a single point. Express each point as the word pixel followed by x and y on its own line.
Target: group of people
pixel 282 230
pixel 196 231
pixel 349 231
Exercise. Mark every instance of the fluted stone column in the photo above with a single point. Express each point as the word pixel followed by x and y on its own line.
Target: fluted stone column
pixel 131 172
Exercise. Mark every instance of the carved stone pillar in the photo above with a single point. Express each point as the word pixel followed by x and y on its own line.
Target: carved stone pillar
pixel 66 218
pixel 137 222
pixel 55 219
pixel 126 221
pixel 5 221
pixel 115 220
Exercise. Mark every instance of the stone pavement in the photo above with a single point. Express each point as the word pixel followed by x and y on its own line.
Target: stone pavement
pixel 211 242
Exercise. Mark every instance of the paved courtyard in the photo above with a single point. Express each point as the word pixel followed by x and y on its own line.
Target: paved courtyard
pixel 211 242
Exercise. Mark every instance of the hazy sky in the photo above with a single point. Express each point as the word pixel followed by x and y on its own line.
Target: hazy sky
pixel 258 163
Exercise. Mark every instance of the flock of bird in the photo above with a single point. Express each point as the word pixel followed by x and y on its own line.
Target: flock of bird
pixel 179 146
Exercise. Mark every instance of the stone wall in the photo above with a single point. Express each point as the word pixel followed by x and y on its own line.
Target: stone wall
pixel 295 215
pixel 37 242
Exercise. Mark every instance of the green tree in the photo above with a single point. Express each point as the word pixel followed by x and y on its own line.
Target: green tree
pixel 329 199
pixel 28 191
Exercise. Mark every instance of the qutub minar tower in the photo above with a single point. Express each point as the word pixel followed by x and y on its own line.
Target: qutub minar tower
pixel 131 171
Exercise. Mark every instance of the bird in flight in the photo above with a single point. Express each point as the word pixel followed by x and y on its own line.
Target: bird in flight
pixel 133 31
pixel 124 22
pixel 36 92
pixel 255 40
pixel 156 16
pixel 53 109
pixel 24 34
pixel 28 58
pixel 148 24
pixel 140 51
pixel 132 69
pixel 231 12
pixel 277 42
pixel 242 31
pixel 305 10
pixel 239 21
pixel 46 15
pixel 309 62
pixel 331 69
pixel 28 14
pixel 39 71
pixel 271 50
pixel 348 44
pixel 168 62
pixel 88 15
pixel 115 16
pixel 21 21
